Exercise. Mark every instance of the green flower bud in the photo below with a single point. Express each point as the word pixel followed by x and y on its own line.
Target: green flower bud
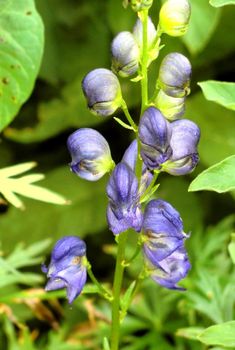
pixel 171 107
pixel 138 5
pixel 174 17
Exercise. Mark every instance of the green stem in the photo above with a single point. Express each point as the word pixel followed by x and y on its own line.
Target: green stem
pixel 103 291
pixel 117 284
pixel 144 62
pixel 128 116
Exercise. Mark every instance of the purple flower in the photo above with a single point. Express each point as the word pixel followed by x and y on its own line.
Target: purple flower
pixel 130 157
pixel 164 244
pixel 125 54
pixel 174 75
pixel 155 134
pixel 172 269
pixel 90 153
pixel 66 269
pixel 102 91
pixel 123 210
pixel 184 141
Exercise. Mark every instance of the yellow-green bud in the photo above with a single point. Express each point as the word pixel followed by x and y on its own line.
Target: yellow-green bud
pixel 174 17
pixel 171 107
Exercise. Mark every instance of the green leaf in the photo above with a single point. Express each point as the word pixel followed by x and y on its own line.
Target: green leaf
pixel 189 333
pixel 221 334
pixel 217 129
pixel 231 248
pixel 21 48
pixel 219 177
pixel 219 3
pixel 222 93
pixel 203 22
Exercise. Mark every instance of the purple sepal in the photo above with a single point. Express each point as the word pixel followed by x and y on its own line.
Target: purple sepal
pixel 130 157
pixel 174 75
pixel 123 210
pixel 90 152
pixel 155 134
pixel 172 269
pixel 66 269
pixel 184 141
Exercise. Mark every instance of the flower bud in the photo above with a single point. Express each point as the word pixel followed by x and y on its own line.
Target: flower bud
pixel 90 152
pixel 174 17
pixel 154 134
pixel 184 141
pixel 123 210
pixel 125 54
pixel 103 92
pixel 138 33
pixel 138 5
pixel 171 107
pixel 174 75
pixel 67 268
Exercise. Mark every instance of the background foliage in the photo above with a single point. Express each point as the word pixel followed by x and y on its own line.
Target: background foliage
pixel 77 39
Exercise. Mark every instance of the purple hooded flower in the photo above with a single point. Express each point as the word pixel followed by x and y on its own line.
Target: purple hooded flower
pixel 123 210
pixel 90 153
pixel 130 157
pixel 66 269
pixel 184 141
pixel 155 135
pixel 125 54
pixel 164 245
pixel 174 75
pixel 103 92
pixel 172 269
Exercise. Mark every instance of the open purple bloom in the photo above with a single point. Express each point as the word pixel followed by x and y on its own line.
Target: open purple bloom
pixel 155 135
pixel 123 210
pixel 125 54
pixel 90 152
pixel 163 228
pixel 164 246
pixel 103 92
pixel 66 269
pixel 172 269
pixel 184 141
pixel 174 75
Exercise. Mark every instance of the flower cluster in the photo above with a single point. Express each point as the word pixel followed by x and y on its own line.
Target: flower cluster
pixel 163 143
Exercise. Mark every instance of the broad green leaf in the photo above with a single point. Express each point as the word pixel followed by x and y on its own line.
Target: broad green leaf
pixel 222 334
pixel 219 177
pixel 222 93
pixel 217 129
pixel 21 48
pixel 202 25
pixel 219 3
pixel 189 333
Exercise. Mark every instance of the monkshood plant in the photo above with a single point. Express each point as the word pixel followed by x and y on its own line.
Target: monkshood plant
pixel 164 142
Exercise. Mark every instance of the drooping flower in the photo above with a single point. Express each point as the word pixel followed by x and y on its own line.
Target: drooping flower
pixel 123 210
pixel 184 141
pixel 171 107
pixel 125 54
pixel 174 17
pixel 155 135
pixel 90 152
pixel 164 243
pixel 66 268
pixel 102 90
pixel 174 75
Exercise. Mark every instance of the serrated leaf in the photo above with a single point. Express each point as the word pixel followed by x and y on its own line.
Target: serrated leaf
pixel 219 177
pixel 222 93
pixel 219 3
pixel 221 334
pixel 203 22
pixel 21 48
